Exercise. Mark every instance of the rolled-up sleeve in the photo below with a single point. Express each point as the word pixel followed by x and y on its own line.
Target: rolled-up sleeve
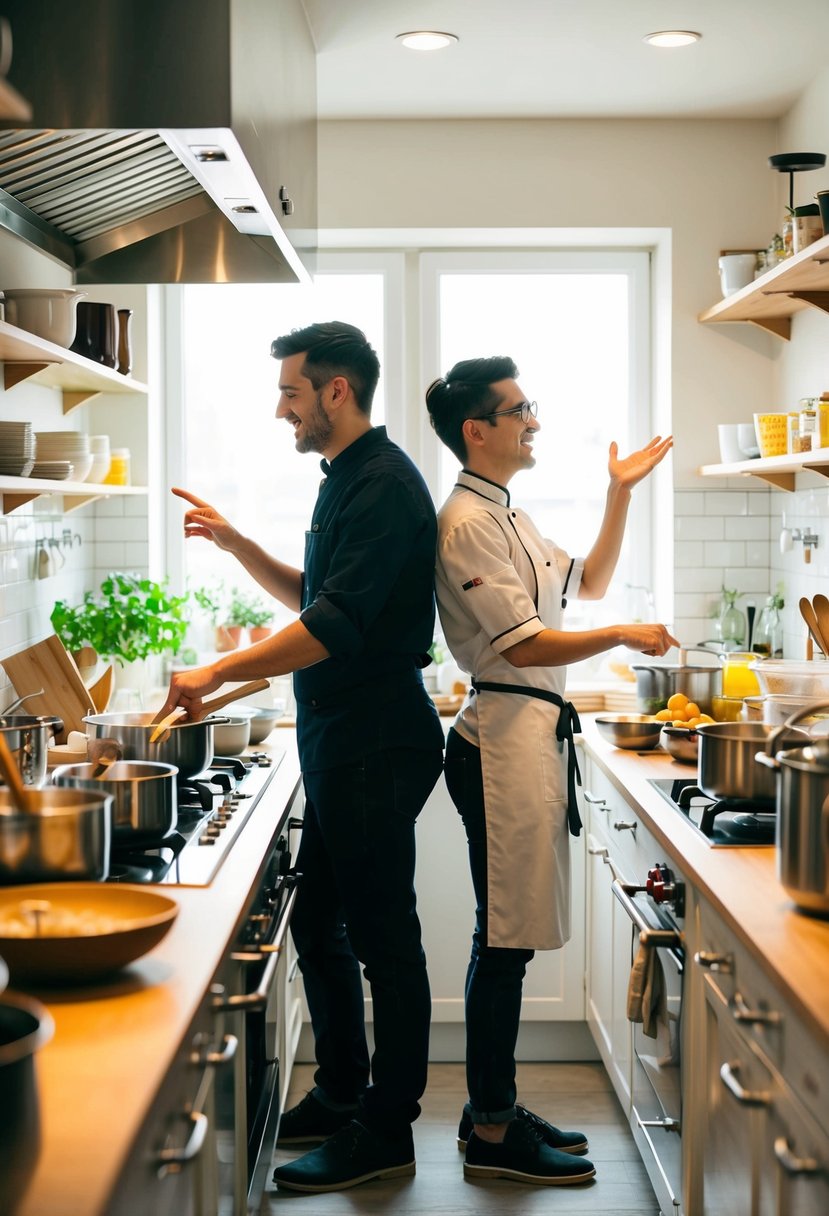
pixel 376 533
pixel 476 564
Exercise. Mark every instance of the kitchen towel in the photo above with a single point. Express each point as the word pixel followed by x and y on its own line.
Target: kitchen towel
pixel 646 992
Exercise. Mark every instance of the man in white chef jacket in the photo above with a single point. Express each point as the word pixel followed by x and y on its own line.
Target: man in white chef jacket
pixel 510 763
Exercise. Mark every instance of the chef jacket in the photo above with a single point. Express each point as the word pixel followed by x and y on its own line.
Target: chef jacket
pixel 499 582
pixel 368 597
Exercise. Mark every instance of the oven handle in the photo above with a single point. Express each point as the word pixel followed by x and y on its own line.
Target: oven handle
pixel 170 1160
pixel 624 891
pixel 253 1001
pixel 729 1075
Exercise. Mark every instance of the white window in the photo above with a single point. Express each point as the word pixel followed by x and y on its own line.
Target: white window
pixel 577 325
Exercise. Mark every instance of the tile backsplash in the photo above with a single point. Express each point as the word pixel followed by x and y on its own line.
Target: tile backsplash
pixel 731 537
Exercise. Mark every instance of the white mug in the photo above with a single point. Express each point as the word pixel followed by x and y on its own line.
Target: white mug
pixel 736 271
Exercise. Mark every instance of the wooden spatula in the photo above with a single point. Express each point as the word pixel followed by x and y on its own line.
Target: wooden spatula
pixel 11 775
pixel 810 617
pixel 821 607
pixel 208 707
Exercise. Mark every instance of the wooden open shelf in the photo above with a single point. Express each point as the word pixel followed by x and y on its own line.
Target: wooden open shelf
pixel 799 282
pixel 779 471
pixel 17 491
pixel 27 357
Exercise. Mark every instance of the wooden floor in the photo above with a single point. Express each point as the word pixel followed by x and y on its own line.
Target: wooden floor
pixel 576 1096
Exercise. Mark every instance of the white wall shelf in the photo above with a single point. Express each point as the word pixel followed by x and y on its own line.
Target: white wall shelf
pixel 27 357
pixel 799 282
pixel 17 491
pixel 779 471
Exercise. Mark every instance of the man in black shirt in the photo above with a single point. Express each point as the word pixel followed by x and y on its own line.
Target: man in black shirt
pixel 370 745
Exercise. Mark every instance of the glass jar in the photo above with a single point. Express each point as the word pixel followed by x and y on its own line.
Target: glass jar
pixel 768 636
pixel 732 622
pixel 738 680
pixel 119 468
pixel 787 233
pixel 809 435
pixel 823 419
pixel 793 433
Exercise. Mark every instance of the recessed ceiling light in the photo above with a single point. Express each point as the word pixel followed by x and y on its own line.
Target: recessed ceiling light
pixel 672 38
pixel 426 40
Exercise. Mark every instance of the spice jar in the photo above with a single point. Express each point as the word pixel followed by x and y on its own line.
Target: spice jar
pixel 119 468
pixel 809 436
pixel 808 226
pixel 793 433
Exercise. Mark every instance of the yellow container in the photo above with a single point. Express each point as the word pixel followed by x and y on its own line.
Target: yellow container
pixel 119 468
pixel 737 679
pixel 726 709
pixel 823 423
pixel 771 432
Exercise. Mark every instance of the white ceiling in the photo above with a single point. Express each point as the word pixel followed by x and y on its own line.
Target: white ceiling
pixel 566 58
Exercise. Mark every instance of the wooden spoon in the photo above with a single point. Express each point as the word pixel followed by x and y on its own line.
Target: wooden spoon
pixel 810 617
pixel 162 729
pixel 11 775
pixel 162 725
pixel 821 607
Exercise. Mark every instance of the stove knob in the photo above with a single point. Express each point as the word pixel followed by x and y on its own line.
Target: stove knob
pixel 653 876
pixel 658 892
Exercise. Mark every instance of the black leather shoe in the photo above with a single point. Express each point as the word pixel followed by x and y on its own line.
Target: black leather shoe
pixel 565 1142
pixel 310 1122
pixel 524 1157
pixel 351 1156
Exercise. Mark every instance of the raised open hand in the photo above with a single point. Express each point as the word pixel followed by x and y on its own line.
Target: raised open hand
pixel 629 471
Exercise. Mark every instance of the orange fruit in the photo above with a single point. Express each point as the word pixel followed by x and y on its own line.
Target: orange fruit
pixel 677 701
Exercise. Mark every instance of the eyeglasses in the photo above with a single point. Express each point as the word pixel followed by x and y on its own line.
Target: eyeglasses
pixel 527 410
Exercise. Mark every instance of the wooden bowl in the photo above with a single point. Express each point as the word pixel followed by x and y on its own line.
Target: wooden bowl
pixel 101 928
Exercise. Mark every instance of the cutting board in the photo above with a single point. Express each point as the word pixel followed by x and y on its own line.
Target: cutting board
pixel 48 665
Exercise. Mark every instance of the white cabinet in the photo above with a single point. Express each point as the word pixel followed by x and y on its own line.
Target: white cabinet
pixel 762 1144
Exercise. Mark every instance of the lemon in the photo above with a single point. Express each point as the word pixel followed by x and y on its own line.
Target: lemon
pixel 677 701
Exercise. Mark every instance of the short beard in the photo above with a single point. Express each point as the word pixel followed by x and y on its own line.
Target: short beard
pixel 317 431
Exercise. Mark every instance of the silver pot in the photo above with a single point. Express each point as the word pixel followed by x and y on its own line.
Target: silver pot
pixel 65 834
pixel 27 737
pixel 188 746
pixel 726 767
pixel 25 1026
pixel 657 682
pixel 144 800
pixel 802 777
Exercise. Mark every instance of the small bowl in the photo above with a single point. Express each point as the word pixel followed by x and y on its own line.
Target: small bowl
pixel 633 732
pixel 106 928
pixel 263 721
pixel 231 736
pixel 682 744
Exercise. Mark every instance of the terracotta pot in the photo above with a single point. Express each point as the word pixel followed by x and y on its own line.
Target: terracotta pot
pixel 228 637
pixel 258 633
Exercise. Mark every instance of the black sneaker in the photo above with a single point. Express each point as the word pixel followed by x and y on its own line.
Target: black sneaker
pixel 524 1157
pixel 310 1122
pixel 351 1156
pixel 565 1142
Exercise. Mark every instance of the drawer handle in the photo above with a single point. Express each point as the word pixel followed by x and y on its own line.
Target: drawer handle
pixel 170 1160
pixel 730 1077
pixel 723 963
pixel 622 825
pixel 594 801
pixel 648 936
pixel 741 1012
pixel 792 1164
pixel 224 1056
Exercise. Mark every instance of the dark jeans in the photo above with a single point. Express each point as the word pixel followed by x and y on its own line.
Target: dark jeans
pixel 356 904
pixel 495 975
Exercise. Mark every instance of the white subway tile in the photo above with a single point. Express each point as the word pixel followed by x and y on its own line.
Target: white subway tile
pixel 137 556
pixel 699 527
pixel 688 553
pixel 110 555
pixel 695 579
pixel 724 553
pixel 693 605
pixel 689 502
pixel 747 527
pixel 727 502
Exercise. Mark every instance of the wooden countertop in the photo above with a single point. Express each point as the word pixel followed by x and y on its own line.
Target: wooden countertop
pixel 741 883
pixel 114 1043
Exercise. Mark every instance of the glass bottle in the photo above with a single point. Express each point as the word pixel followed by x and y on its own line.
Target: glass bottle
pixel 768 637
pixel 809 435
pixel 732 622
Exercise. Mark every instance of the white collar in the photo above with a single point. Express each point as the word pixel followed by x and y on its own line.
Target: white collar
pixel 483 486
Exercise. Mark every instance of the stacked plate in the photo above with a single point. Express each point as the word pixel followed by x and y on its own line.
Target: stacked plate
pixel 17 448
pixel 53 470
pixel 65 447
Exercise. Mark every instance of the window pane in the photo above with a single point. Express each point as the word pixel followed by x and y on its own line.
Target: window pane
pixel 237 456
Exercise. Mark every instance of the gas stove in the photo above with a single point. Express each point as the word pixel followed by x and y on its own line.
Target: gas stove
pixel 733 823
pixel 212 810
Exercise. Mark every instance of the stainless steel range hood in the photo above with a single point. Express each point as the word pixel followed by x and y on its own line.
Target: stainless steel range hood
pixel 171 141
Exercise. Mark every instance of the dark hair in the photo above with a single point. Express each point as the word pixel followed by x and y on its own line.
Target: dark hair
pixel 334 348
pixel 466 392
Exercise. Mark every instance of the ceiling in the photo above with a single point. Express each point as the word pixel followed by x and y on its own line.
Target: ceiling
pixel 566 58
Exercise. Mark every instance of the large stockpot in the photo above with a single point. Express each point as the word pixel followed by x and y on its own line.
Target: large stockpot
pixel 802 777
pixel 64 834
pixel 25 1026
pixel 27 737
pixel 188 746
pixel 726 766
pixel 144 801
pixel 657 682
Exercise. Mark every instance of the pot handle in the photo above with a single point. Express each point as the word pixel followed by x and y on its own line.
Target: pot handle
pixel 797 716
pixel 769 761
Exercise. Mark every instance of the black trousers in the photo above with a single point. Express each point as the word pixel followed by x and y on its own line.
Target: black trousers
pixel 495 975
pixel 356 904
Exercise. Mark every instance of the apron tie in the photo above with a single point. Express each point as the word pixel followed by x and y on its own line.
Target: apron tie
pixel 568 723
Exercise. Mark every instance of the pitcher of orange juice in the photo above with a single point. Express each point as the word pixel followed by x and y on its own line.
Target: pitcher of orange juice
pixel 737 678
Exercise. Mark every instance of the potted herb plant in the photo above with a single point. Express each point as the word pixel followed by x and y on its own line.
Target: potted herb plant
pixel 212 602
pixel 128 619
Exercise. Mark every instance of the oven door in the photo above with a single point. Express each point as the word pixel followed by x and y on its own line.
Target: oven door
pixel 656 1117
pixel 247 1099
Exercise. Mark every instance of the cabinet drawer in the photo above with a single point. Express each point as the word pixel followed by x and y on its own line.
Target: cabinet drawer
pixel 613 822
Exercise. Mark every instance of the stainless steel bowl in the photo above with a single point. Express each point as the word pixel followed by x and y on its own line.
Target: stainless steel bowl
pixel 683 745
pixel 633 732
pixel 27 737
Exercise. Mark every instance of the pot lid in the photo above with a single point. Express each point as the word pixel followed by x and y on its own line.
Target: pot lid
pixel 811 759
